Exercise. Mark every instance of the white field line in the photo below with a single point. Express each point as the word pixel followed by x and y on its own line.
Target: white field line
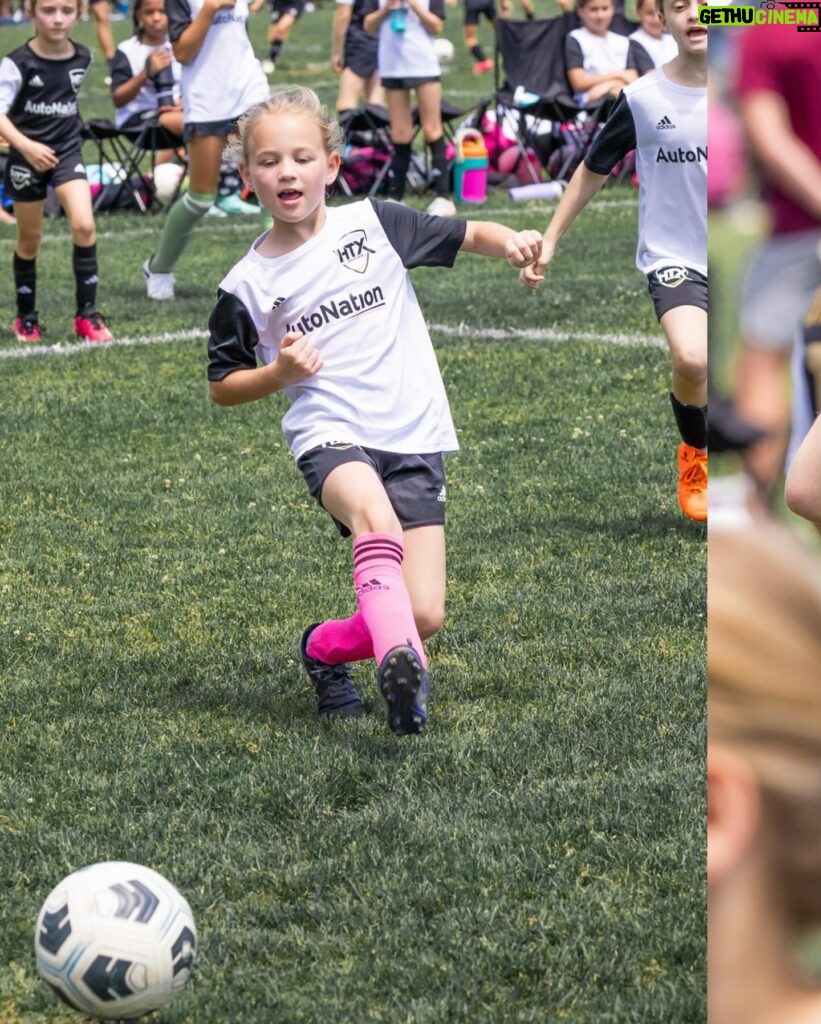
pixel 546 334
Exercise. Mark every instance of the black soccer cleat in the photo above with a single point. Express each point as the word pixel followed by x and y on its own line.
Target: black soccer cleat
pixel 336 695
pixel 405 687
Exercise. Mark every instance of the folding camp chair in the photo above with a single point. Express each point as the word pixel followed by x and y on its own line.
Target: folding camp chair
pixel 367 150
pixel 133 151
pixel 531 82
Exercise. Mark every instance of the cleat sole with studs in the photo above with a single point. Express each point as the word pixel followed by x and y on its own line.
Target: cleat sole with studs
pixel 403 685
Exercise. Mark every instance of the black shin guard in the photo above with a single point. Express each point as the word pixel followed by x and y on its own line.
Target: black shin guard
pixel 25 285
pixel 691 421
pixel 84 262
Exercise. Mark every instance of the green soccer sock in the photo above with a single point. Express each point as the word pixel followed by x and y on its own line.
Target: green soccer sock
pixel 182 218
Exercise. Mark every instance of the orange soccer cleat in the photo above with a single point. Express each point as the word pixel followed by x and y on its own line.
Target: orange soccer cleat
pixel 692 482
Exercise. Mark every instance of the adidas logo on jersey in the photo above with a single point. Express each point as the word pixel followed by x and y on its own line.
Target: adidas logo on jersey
pixel 36 81
pixel 277 302
pixel 665 122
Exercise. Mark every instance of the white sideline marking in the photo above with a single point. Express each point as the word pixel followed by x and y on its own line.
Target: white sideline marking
pixel 545 334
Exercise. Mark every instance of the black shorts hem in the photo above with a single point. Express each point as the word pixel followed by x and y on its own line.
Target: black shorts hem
pixel 677 285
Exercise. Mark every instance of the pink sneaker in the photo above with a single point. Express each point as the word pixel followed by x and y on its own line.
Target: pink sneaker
pixel 90 326
pixel 26 328
pixel 482 66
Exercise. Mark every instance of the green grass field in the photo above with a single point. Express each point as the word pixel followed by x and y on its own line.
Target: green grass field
pixel 538 855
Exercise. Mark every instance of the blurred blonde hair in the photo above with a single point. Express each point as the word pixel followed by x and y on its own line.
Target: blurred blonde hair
pixel 291 99
pixel 764 694
pixel 29 7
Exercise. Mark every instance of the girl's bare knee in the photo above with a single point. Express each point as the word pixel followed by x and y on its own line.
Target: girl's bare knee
pixel 83 233
pixel 691 366
pixel 429 620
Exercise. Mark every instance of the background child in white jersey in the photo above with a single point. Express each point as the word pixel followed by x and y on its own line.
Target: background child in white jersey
pixel 407 62
pixel 663 116
pixel 322 308
pixel 145 77
pixel 599 62
pixel 650 35
pixel 221 78
pixel 39 82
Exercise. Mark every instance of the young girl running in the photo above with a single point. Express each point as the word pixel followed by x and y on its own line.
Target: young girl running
pixel 220 79
pixel 322 308
pixel 663 116
pixel 145 77
pixel 39 82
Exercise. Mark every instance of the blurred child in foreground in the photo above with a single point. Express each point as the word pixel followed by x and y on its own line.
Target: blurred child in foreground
pixel 764 775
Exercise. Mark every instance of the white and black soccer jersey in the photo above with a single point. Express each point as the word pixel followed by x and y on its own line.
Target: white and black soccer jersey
pixel 659 49
pixel 39 96
pixel 409 54
pixel 225 78
pixel 347 288
pixel 129 60
pixel 666 124
pixel 599 54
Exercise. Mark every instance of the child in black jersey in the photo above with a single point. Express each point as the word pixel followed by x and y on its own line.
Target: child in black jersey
pixel 322 308
pixel 39 82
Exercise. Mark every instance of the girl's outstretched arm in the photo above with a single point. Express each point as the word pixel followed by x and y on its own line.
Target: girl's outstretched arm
pixel 487 238
pixel 583 186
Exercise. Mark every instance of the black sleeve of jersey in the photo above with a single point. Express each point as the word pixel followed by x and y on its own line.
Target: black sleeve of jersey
pixel 179 18
pixel 231 338
pixel 437 7
pixel 643 61
pixel 573 56
pixel 638 59
pixel 363 7
pixel 614 141
pixel 120 70
pixel 420 240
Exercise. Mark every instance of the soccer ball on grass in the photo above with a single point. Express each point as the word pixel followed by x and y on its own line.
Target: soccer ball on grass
pixel 115 940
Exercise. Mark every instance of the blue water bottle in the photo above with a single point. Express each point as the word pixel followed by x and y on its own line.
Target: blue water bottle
pixel 399 19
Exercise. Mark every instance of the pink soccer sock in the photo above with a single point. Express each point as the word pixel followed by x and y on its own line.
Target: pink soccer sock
pixel 383 598
pixel 339 640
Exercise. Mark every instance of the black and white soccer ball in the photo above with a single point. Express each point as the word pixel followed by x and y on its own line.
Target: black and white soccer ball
pixel 115 940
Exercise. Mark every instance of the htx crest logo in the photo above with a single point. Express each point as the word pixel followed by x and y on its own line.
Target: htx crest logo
pixel 76 76
pixel 21 177
pixel 352 251
pixel 672 277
